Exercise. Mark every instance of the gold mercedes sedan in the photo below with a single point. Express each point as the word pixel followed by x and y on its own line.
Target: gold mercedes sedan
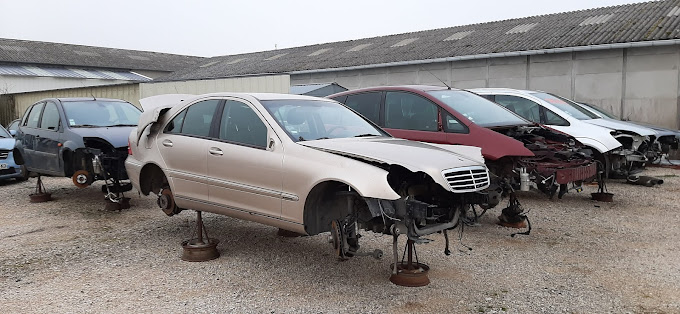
pixel 303 164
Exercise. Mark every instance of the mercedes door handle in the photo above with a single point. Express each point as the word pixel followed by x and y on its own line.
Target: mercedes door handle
pixel 215 151
pixel 167 143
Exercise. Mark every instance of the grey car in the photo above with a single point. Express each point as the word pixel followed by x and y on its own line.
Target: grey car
pixel 81 138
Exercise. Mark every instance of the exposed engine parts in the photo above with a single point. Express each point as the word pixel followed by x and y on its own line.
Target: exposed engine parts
pixel 558 161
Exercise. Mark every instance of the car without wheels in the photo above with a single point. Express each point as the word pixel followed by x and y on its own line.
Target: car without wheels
pixel 81 138
pixel 620 148
pixel 666 139
pixel 516 151
pixel 303 164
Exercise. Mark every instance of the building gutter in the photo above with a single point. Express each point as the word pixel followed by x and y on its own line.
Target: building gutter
pixel 637 44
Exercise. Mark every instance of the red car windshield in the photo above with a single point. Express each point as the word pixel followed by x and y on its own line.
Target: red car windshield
pixel 478 109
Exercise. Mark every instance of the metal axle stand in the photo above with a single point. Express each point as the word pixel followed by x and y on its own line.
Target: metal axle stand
pixel 511 216
pixel 408 273
pixel 41 194
pixel 200 249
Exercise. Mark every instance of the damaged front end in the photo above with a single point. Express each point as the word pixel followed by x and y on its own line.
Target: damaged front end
pixel 425 207
pixel 99 160
pixel 633 154
pixel 559 160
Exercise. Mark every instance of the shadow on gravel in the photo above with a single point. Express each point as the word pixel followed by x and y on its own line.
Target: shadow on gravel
pixel 258 248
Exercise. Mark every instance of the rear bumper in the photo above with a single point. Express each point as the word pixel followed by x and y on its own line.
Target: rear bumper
pixel 564 176
pixel 133 169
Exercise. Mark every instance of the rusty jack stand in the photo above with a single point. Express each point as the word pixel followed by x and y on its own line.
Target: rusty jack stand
pixel 200 249
pixel 409 273
pixel 512 216
pixel 41 194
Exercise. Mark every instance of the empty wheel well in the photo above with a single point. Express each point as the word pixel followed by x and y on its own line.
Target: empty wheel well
pixel 323 205
pixel 604 163
pixel 68 163
pixel 152 179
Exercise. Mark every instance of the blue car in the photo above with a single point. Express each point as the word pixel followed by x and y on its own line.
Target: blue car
pixel 11 162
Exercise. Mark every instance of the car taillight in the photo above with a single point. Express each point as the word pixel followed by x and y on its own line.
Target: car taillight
pixel 129 149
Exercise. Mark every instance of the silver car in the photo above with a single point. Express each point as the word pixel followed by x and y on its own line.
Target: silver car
pixel 302 164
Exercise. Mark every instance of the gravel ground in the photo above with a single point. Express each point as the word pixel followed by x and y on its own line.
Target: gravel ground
pixel 70 255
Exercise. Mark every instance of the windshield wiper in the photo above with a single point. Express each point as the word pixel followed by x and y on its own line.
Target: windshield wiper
pixel 366 135
pixel 86 126
pixel 300 139
pixel 122 124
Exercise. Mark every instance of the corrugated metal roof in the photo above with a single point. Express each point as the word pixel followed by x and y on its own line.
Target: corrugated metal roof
pixel 45 53
pixel 458 35
pixel 359 47
pixel 645 21
pixel 42 71
pixel 404 42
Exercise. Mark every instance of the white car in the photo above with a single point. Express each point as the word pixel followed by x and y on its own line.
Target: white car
pixel 663 141
pixel 615 145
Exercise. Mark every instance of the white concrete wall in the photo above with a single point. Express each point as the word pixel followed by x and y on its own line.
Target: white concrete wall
pixel 253 84
pixel 642 84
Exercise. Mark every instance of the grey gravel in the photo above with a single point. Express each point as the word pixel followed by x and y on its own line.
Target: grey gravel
pixel 70 255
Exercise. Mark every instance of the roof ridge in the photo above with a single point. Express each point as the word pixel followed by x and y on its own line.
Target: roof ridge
pixel 96 47
pixel 442 28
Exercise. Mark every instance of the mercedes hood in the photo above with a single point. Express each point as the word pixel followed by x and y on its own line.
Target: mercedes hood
pixel 412 155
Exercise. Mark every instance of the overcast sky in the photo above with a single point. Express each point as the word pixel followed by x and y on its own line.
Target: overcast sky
pixel 214 28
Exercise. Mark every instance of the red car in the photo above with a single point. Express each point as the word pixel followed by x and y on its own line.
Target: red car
pixel 520 153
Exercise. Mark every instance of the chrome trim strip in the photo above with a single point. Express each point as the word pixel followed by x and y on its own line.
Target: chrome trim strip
pixel 234 185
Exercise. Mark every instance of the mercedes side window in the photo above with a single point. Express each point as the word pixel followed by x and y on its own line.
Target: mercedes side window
pixel 408 111
pixel 367 104
pixel 552 118
pixel 175 125
pixel 50 117
pixel 526 108
pixel 197 119
pixel 240 124
pixel 33 119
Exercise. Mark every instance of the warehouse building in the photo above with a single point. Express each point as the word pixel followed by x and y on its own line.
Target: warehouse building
pixel 31 70
pixel 624 59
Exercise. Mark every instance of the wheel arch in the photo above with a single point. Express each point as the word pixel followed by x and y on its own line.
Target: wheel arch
pixel 152 178
pixel 323 205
